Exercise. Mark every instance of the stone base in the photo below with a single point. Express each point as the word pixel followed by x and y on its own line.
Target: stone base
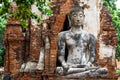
pixel 54 77
pixel 37 75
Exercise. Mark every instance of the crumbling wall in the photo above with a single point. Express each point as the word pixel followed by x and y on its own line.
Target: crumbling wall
pixel 24 45
pixel 107 41
pixel 14 42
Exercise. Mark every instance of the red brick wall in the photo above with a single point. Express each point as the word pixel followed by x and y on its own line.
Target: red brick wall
pixel 17 45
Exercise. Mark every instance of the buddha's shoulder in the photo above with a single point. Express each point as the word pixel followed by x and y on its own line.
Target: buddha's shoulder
pixel 88 34
pixel 63 33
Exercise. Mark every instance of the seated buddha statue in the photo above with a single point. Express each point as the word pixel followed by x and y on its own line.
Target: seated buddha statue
pixel 81 46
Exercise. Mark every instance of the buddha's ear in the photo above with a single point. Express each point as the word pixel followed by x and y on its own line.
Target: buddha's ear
pixel 84 15
pixel 69 19
pixel 83 7
pixel 68 15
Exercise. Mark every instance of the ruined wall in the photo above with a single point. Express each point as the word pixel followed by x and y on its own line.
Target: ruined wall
pixel 26 44
pixel 107 41
pixel 14 42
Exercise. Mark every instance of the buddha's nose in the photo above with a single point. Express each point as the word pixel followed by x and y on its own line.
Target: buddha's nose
pixel 78 20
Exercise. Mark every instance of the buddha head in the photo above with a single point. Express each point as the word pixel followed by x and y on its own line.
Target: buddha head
pixel 76 16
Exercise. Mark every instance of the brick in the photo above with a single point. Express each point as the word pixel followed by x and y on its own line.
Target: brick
pixel 16 48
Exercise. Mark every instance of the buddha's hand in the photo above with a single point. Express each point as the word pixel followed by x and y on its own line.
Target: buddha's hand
pixel 89 64
pixel 65 65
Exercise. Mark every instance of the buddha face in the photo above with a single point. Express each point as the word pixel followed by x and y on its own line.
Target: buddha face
pixel 76 18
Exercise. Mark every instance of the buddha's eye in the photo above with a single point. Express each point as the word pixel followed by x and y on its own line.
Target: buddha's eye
pixel 74 15
pixel 80 15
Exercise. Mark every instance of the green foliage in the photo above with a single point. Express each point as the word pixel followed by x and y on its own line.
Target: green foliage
pixel 43 7
pixel 3 22
pixel 34 16
pixel 110 4
pixel 2 53
pixel 4 7
pixel 24 24
pixel 24 9
pixel 118 72
pixel 23 13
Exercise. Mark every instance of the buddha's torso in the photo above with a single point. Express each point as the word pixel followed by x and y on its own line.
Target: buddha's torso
pixel 78 45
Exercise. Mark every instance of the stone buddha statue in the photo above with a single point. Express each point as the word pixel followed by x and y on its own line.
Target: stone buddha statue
pixel 81 49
